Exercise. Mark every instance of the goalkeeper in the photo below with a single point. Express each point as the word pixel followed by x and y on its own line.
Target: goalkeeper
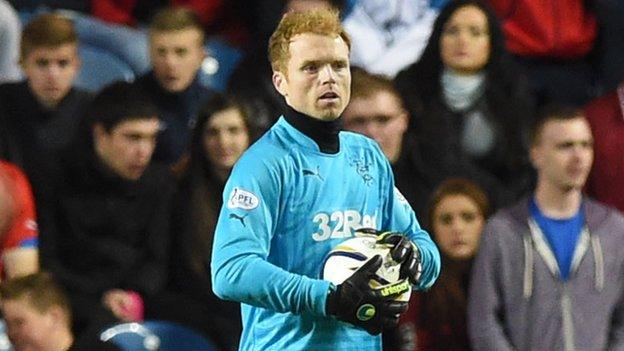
pixel 304 187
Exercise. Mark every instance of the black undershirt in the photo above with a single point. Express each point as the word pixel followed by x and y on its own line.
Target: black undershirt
pixel 324 133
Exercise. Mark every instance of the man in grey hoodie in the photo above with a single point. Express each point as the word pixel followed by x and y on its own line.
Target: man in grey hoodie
pixel 549 274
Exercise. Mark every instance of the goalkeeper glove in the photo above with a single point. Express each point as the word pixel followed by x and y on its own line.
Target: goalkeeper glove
pixel 355 302
pixel 403 251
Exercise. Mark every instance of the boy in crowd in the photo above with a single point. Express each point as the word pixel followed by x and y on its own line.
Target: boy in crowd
pixel 40 115
pixel 176 40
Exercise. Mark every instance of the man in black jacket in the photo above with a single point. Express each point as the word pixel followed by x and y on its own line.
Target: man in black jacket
pixel 105 233
pixel 176 41
pixel 39 115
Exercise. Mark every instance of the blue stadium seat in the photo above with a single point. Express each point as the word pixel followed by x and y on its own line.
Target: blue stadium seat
pixel 156 335
pixel 219 64
pixel 100 68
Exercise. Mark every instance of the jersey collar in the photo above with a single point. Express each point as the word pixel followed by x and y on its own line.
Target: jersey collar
pixel 324 133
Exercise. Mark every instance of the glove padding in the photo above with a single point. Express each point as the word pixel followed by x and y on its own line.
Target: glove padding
pixel 355 302
pixel 403 251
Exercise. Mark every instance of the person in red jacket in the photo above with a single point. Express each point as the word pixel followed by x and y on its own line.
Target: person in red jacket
pixel 564 45
pixel 18 226
pixel 133 12
pixel 606 118
pixel 216 16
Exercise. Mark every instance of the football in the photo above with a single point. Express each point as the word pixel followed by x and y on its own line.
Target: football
pixel 346 257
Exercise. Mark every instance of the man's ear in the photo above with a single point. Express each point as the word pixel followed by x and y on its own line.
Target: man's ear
pixel 404 119
pixel 534 156
pixel 98 132
pixel 98 129
pixel 55 315
pixel 280 83
pixel 21 61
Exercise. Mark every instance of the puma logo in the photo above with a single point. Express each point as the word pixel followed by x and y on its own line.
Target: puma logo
pixel 313 173
pixel 240 218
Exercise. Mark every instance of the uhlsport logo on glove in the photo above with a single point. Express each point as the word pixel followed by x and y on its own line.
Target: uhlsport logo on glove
pixel 366 312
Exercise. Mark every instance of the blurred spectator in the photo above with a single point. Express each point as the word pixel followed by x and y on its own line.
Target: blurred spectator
pixel 38 316
pixel 176 50
pixel 608 50
pixel 218 17
pixel 465 97
pixel 41 114
pixel 10 32
pixel 606 118
pixel 34 5
pixel 436 319
pixel 387 36
pixel 18 227
pixel 559 45
pixel 548 274
pixel 376 110
pixel 106 236
pixel 251 80
pixel 220 137
pixel 137 12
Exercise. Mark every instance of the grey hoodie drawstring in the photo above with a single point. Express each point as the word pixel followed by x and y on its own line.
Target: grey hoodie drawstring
pixel 598 263
pixel 527 288
pixel 528 267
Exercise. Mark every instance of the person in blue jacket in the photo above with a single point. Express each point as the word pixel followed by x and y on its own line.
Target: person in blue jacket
pixel 301 189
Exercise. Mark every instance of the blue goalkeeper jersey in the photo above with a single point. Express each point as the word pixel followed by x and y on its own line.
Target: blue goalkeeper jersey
pixel 286 205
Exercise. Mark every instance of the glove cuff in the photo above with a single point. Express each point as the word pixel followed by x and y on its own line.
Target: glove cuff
pixel 332 301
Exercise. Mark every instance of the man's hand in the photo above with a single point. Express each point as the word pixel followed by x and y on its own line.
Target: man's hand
pixel 125 305
pixel 355 302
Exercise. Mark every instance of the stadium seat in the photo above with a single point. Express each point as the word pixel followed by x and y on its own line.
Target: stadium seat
pixel 156 335
pixel 219 64
pixel 100 68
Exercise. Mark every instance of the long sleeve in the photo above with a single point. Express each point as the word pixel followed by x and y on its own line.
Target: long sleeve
pixel 401 217
pixel 240 267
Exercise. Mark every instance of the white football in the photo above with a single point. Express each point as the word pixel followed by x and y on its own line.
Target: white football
pixel 351 254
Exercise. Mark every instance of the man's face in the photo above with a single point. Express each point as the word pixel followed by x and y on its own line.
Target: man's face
pixel 27 328
pixel 51 72
pixel 127 149
pixel 176 57
pixel 318 80
pixel 380 117
pixel 563 155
